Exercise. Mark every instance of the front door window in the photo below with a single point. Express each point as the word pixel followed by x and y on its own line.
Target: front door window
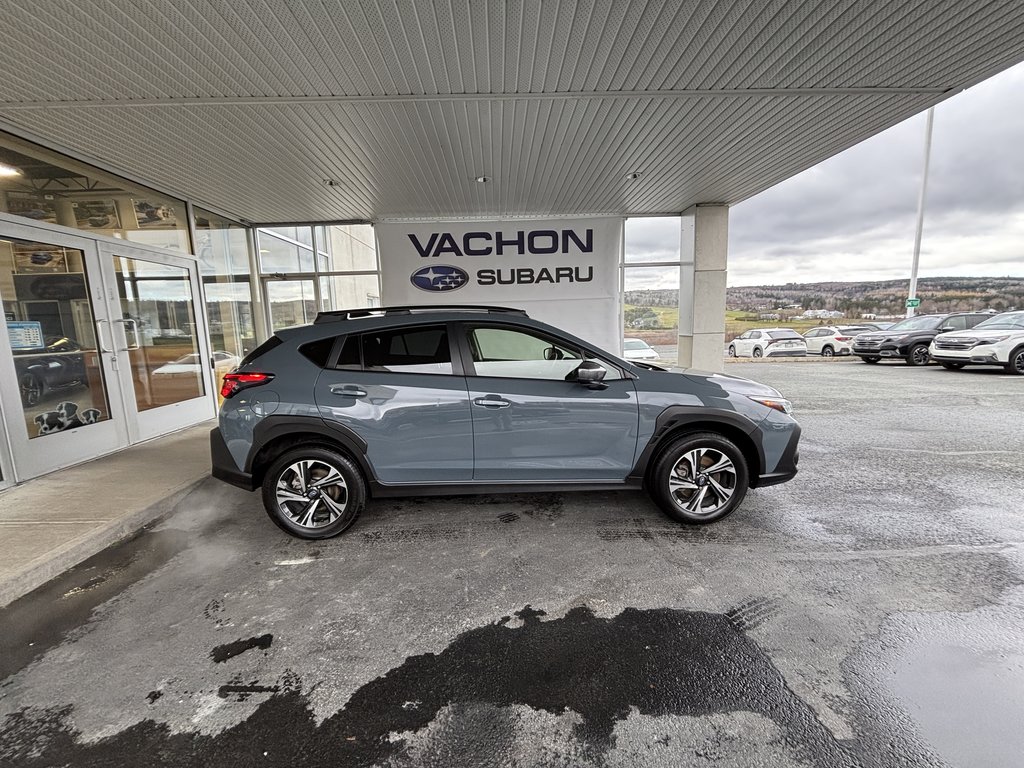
pixel 52 331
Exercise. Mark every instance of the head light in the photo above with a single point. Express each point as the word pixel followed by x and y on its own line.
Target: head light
pixel 993 340
pixel 775 403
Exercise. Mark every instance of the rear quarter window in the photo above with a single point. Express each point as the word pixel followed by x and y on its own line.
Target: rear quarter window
pixel 261 350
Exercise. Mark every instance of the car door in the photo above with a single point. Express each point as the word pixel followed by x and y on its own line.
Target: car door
pixel 403 393
pixel 742 344
pixel 751 341
pixel 532 424
pixel 815 340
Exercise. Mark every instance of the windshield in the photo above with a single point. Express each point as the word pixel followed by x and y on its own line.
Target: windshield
pixel 784 335
pixel 634 344
pixel 1008 322
pixel 922 323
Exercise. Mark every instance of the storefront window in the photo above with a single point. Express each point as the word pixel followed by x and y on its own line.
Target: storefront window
pixel 650 282
pixel 222 247
pixel 52 333
pixel 44 186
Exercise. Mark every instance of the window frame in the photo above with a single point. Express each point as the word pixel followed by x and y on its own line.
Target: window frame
pixel 454 352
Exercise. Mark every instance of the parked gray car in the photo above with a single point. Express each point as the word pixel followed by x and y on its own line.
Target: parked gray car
pixel 413 401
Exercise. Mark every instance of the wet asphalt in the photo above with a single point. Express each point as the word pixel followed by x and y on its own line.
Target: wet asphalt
pixel 871 612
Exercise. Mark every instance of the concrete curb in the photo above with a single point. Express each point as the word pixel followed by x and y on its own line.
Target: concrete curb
pixel 55 562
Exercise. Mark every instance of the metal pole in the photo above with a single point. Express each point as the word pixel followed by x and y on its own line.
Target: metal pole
pixel 920 209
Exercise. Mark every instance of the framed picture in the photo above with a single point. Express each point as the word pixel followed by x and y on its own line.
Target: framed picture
pixel 31 206
pixel 96 214
pixel 37 257
pixel 155 215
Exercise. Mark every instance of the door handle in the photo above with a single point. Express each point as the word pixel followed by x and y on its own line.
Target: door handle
pixel 491 402
pixel 135 330
pixel 347 390
pixel 99 336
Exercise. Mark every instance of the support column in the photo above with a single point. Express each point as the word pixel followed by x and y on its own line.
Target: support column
pixel 703 251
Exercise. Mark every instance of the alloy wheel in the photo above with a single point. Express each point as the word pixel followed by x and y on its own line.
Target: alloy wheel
pixel 827 352
pixel 1017 364
pixel 312 493
pixel 919 355
pixel 702 481
pixel 31 390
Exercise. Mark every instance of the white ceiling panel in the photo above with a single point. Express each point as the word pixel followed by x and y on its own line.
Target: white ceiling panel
pixel 248 105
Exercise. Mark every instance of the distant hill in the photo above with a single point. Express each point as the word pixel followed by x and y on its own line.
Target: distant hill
pixel 886 297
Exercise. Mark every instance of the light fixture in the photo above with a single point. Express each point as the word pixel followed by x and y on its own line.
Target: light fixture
pixel 330 183
pixel 632 176
pixel 9 170
pixel 482 179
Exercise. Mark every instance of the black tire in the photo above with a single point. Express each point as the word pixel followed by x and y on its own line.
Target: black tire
pixel 758 352
pixel 32 388
pixel 827 351
pixel 348 492
pixel 918 355
pixel 672 500
pixel 732 351
pixel 952 366
pixel 1016 364
pixel 871 360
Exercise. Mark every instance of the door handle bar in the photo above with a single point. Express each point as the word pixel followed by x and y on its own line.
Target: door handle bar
pixel 491 402
pixel 135 331
pixel 99 337
pixel 347 391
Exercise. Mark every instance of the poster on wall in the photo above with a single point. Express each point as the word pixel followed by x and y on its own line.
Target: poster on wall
pixel 35 257
pixel 32 206
pixel 150 215
pixel 98 214
pixel 562 271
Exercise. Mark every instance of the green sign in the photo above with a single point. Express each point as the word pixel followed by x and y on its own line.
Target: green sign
pixel 913 303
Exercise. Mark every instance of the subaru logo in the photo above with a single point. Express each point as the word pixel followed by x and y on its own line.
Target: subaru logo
pixel 439 277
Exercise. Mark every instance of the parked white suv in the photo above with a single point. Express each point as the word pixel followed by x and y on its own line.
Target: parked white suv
pixel 768 342
pixel 830 340
pixel 996 341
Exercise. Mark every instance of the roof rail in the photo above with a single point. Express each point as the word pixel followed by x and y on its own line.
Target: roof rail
pixel 333 316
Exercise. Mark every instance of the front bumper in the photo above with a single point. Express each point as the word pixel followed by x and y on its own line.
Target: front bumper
pixel 223 466
pixel 886 351
pixel 976 356
pixel 786 468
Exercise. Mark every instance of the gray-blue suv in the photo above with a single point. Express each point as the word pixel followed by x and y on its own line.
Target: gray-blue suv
pixel 413 401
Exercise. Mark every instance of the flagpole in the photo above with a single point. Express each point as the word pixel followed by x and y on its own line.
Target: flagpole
pixel 920 211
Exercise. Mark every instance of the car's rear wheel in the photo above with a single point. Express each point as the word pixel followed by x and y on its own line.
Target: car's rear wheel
pixel 699 478
pixel 827 352
pixel 732 351
pixel 871 360
pixel 1016 364
pixel 758 352
pixel 31 387
pixel 918 355
pixel 313 492
pixel 952 366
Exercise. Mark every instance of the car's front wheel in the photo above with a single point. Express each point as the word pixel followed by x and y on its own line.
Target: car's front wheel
pixel 699 478
pixel 1016 364
pixel 313 492
pixel 31 389
pixel 918 355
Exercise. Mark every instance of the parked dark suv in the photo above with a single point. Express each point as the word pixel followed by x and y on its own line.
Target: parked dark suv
pixel 408 401
pixel 909 339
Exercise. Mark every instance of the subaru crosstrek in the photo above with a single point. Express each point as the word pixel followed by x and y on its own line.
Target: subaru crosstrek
pixel 411 401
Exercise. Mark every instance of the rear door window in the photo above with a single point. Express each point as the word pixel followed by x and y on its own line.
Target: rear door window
pixel 407 350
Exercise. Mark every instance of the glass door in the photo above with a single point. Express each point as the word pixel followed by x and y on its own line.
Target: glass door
pixel 159 339
pixel 58 380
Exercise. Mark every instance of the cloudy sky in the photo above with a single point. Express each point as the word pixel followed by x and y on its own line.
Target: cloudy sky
pixel 852 217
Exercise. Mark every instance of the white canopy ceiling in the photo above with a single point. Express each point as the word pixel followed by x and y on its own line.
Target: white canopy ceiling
pixel 248 106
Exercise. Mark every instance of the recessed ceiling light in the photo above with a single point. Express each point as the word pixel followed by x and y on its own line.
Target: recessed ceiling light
pixel 9 170
pixel 330 183
pixel 632 176
pixel 482 179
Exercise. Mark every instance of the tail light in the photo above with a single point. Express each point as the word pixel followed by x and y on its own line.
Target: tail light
pixel 772 341
pixel 234 383
pixel 843 338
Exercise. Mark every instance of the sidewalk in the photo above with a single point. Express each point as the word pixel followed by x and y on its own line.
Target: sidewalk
pixel 55 522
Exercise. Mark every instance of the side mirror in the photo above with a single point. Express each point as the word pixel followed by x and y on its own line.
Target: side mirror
pixel 945 329
pixel 591 374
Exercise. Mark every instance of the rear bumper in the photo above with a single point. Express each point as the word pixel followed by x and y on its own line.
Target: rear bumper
pixel 223 466
pixel 787 353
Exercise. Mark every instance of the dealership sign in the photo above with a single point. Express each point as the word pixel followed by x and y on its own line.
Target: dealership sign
pixel 562 271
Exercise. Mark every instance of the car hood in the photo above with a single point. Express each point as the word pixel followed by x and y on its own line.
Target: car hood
pixel 983 333
pixel 723 381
